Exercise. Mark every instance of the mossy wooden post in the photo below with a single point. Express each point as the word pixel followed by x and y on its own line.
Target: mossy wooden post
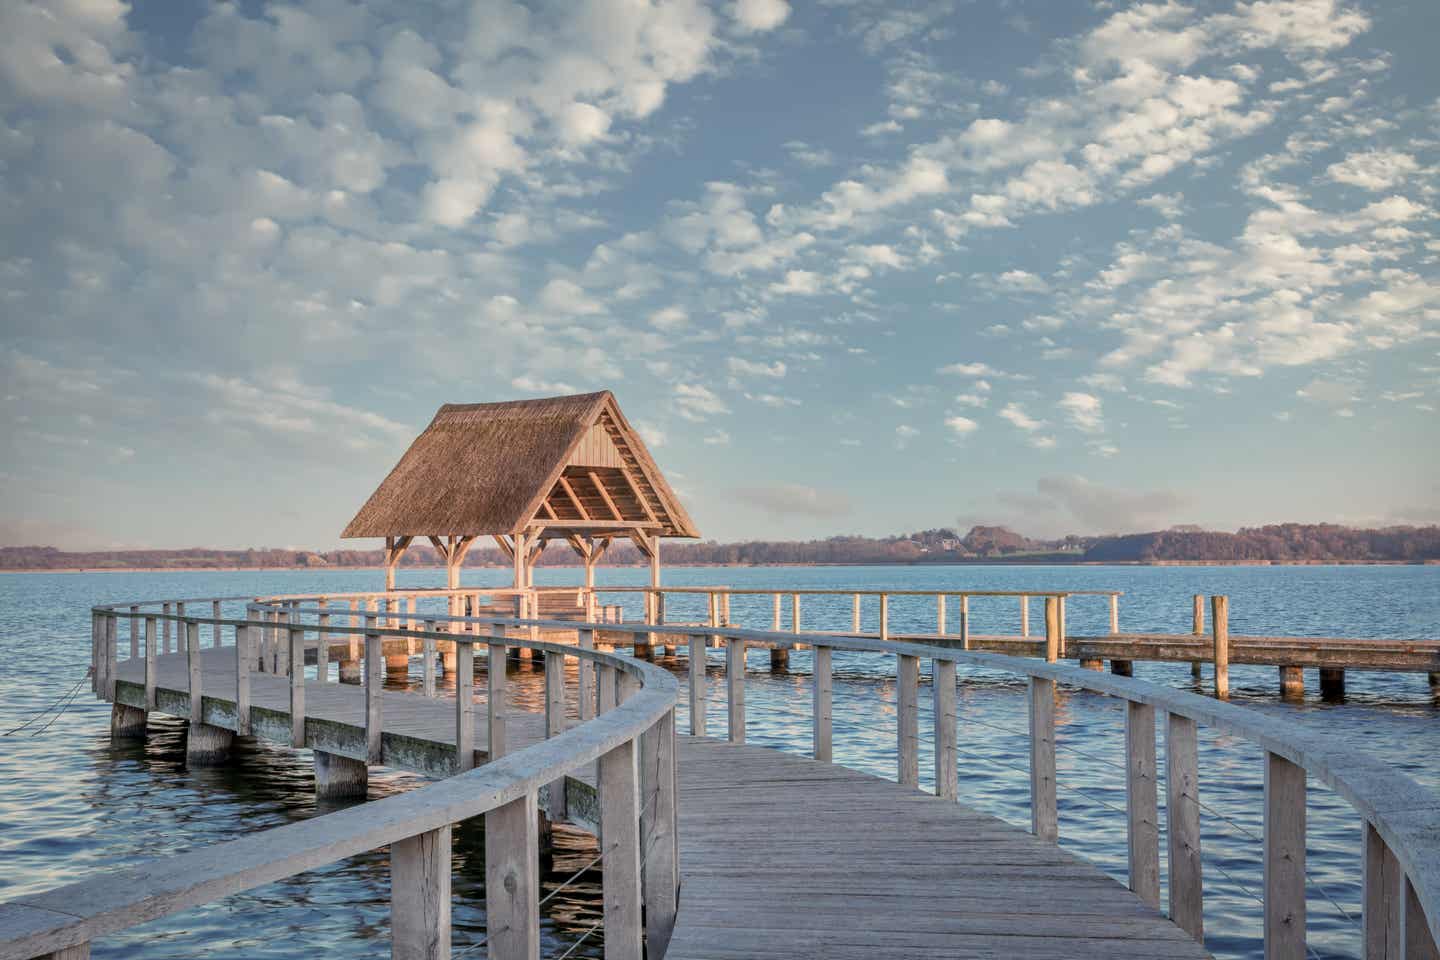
pixel 1220 625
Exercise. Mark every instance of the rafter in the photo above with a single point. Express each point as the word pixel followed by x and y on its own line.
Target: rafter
pixel 639 494
pixel 605 495
pixel 506 547
pixel 570 492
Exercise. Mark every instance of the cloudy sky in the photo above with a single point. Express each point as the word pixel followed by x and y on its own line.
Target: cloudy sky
pixel 853 265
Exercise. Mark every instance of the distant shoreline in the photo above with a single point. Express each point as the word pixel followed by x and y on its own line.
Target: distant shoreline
pixel 1007 562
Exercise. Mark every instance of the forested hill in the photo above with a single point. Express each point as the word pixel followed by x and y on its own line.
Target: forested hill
pixel 1279 543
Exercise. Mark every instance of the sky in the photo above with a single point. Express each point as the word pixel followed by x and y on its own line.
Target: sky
pixel 851 266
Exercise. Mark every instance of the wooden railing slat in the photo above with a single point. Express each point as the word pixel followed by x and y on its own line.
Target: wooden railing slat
pixel 1142 814
pixel 1284 869
pixel 1182 811
pixel 823 733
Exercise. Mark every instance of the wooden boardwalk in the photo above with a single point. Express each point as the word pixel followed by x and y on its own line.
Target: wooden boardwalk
pixel 780 856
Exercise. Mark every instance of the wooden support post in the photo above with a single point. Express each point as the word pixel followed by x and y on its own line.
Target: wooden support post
pixel 1044 818
pixel 1052 629
pixel 884 617
pixel 1292 683
pixel 1114 613
pixel 165 630
pixel 296 639
pixel 695 650
pixel 374 695
pixel 1332 683
pixel 1284 859
pixel 135 629
pixel 1122 668
pixel 1062 650
pixel 340 778
pixel 1141 808
pixel 620 838
pixel 554 726
pixel 940 614
pixel 244 661
pixel 127 723
pixel 964 622
pixel 192 660
pixel 660 862
pixel 214 629
pixel 1220 625
pixel 112 654
pixel 947 768
pixel 821 739
pixel 495 693
pixel 427 661
pixel 464 706
pixel 779 659
pixel 775 620
pixel 585 671
pixel 322 649
pixel 149 663
pixel 420 893
pixel 1381 901
pixel 1024 616
pixel 794 613
pixel 855 613
pixel 1416 937
pixel 907 716
pixel 735 687
pixel 1182 812
pixel 1198 621
pixel 512 879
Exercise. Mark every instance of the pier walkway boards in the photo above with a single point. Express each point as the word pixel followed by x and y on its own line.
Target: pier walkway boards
pixel 780 856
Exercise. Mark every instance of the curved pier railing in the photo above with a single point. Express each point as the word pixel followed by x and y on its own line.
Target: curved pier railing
pixel 1399 853
pixel 629 737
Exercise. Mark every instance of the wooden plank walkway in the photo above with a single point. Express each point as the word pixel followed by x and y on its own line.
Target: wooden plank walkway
pixel 780 856
pixel 783 857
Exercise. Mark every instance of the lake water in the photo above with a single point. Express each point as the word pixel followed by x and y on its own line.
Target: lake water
pixel 73 804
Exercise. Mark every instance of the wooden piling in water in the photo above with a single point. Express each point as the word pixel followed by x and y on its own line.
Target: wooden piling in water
pixel 1220 626
pixel 1332 683
pixel 1292 683
pixel 338 777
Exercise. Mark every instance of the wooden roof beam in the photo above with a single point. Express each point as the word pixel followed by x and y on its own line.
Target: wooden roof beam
pixel 605 495
pixel 570 492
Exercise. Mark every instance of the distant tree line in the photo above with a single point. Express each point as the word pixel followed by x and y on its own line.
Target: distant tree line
pixel 1278 543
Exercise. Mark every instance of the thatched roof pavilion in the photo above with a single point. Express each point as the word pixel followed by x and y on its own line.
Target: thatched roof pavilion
pixel 525 472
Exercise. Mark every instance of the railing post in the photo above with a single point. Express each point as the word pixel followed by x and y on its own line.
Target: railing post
pixel 1284 859
pixel 1182 813
pixel 244 660
pixel 555 725
pixel 964 622
pixel 427 660
pixel 823 734
pixel 1052 629
pixel 96 681
pixel 192 660
pixel 1061 650
pixel 1044 819
pixel 297 686
pixel 495 694
pixel 940 614
pixel 775 625
pixel 1141 810
pixel 1381 903
pixel 420 896
pixel 1198 617
pixel 1414 933
pixel 215 615
pixel 620 837
pixel 322 648
pixel 149 663
pixel 512 880
pixel 794 613
pixel 585 640
pixel 884 617
pixel 464 706
pixel 135 629
pixel 1114 613
pixel 165 629
pixel 1220 623
pixel 696 651
pixel 112 655
pixel 660 852
pixel 1024 615
pixel 606 689
pixel 735 687
pixel 947 768
pixel 907 716
pixel 374 693
pixel 855 613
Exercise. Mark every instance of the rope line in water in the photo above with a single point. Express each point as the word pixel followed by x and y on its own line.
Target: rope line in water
pixel 61 703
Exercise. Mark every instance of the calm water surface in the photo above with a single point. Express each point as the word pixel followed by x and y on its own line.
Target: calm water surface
pixel 73 804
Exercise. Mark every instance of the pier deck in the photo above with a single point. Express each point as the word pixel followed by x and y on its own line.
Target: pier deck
pixel 780 856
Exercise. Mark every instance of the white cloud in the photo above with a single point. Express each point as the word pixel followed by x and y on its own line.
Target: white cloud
pixel 961 426
pixel 568 297
pixel 972 369
pixel 751 368
pixel 754 16
pixel 669 318
pixel 801 282
pixel 1084 411
pixel 1374 169
pixel 653 436
pixel 1016 414
pixel 787 499
pixel 694 401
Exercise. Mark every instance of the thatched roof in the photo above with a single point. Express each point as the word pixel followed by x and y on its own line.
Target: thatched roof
pixel 560 464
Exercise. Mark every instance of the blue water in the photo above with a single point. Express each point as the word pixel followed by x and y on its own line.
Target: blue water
pixel 72 804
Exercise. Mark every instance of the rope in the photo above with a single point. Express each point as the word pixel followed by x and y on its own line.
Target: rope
pixel 60 704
